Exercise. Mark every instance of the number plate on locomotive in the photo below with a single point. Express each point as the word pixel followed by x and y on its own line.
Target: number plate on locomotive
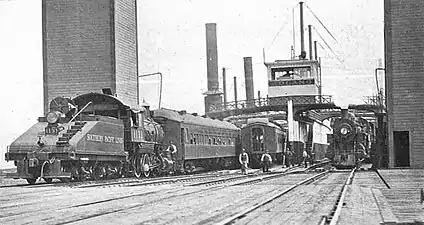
pixel 52 130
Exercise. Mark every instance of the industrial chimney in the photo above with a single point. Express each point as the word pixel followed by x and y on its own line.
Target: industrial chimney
pixel 213 95
pixel 248 76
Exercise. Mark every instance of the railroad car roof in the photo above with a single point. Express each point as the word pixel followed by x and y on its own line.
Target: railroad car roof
pixel 183 117
pixel 99 98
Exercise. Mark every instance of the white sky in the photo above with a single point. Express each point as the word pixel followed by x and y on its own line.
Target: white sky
pixel 172 40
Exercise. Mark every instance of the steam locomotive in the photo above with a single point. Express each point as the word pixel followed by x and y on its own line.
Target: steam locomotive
pixel 97 136
pixel 351 140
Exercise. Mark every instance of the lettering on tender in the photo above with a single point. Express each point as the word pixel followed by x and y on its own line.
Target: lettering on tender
pixel 94 137
pixel 106 139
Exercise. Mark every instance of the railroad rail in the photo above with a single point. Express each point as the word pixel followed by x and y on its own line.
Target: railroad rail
pixel 241 214
pixel 116 182
pixel 333 217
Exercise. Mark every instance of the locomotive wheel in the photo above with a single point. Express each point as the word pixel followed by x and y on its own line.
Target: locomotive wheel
pixel 145 166
pixel 99 173
pixel 136 163
pixel 31 180
pixel 48 180
pixel 189 167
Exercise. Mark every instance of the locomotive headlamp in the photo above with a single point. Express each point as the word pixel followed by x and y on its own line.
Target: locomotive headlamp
pixel 344 131
pixel 52 117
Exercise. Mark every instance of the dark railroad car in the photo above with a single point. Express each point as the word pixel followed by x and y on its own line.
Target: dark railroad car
pixel 201 142
pixel 259 135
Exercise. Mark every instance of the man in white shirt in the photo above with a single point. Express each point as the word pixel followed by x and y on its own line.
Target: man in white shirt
pixel 244 160
pixel 266 161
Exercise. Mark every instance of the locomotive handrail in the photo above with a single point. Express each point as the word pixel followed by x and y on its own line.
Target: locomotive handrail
pixel 79 112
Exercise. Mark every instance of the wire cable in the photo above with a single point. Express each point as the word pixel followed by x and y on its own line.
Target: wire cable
pixel 322 24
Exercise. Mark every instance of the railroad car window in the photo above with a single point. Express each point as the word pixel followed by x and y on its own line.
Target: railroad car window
pixel 186 136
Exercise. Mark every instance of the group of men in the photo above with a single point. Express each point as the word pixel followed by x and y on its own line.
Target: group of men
pixel 266 160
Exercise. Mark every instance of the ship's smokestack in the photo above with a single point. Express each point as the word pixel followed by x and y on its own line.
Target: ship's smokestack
pixel 248 74
pixel 315 50
pixel 213 95
pixel 302 38
pixel 310 42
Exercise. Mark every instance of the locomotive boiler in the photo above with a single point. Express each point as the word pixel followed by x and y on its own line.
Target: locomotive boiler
pixel 350 141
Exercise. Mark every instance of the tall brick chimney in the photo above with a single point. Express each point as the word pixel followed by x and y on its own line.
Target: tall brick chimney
pixel 89 45
pixel 213 95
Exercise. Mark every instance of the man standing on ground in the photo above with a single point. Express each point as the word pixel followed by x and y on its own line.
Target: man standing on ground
pixel 305 157
pixel 244 160
pixel 266 161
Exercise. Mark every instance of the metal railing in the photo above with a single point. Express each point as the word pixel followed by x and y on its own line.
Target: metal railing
pixel 77 114
pixel 272 101
pixel 375 100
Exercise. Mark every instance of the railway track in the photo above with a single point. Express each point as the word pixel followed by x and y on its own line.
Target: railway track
pixel 147 198
pixel 83 207
pixel 246 180
pixel 334 215
pixel 119 182
pixel 237 216
pixel 115 182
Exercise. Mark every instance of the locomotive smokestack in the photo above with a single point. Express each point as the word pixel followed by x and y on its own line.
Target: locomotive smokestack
pixel 248 74
pixel 302 38
pixel 213 95
pixel 345 113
